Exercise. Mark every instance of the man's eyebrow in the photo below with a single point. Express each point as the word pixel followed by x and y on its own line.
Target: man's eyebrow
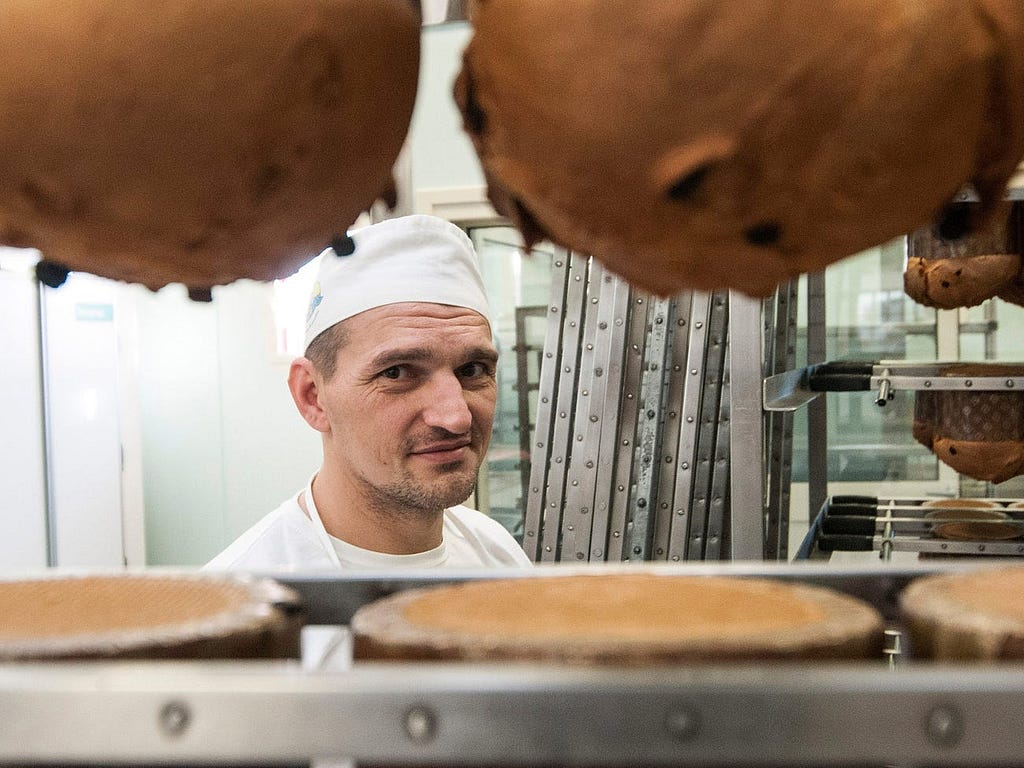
pixel 391 357
pixel 483 353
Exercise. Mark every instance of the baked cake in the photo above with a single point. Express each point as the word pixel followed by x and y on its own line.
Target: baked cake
pixel 622 619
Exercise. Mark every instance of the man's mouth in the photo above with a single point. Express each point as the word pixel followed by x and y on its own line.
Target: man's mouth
pixel 444 452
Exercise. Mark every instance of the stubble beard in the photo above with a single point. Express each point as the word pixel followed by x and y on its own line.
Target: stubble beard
pixel 409 497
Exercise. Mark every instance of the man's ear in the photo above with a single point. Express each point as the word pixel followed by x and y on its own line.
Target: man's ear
pixel 302 382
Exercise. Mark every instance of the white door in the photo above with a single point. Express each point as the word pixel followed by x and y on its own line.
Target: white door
pixel 81 378
pixel 23 532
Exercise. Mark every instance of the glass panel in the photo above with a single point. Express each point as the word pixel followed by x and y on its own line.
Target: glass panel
pixel 518 286
pixel 869 317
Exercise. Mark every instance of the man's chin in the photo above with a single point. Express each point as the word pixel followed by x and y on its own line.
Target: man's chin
pixel 455 491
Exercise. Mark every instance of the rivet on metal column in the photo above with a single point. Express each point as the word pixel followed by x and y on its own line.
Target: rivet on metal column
pixel 544 424
pixel 707 431
pixel 626 434
pixel 647 446
pixel 718 487
pixel 609 368
pixel 693 377
pixel 577 515
pixel 564 408
pixel 678 334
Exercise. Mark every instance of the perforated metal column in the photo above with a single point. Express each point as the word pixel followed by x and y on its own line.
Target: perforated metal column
pixel 631 456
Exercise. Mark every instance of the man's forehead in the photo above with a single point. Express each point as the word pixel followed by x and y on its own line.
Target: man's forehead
pixel 409 312
pixel 418 331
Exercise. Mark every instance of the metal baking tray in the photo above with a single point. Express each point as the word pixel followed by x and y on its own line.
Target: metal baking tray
pixel 278 713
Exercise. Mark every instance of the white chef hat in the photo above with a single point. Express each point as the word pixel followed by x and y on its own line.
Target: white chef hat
pixel 410 258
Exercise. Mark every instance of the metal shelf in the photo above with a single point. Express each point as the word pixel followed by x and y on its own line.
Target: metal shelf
pixel 792 389
pixel 887 525
pixel 276 713
pixel 194 713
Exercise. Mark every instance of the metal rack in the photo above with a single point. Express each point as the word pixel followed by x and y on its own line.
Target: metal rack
pixel 273 713
pixel 645 405
pixel 887 525
pixel 784 392
pixel 789 390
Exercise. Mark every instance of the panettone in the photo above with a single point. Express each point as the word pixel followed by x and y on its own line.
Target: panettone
pixel 626 619
pixel 149 616
pixel 966 272
pixel 979 433
pixel 974 616
pixel 198 141
pixel 970 520
pixel 708 144
pixel 925 408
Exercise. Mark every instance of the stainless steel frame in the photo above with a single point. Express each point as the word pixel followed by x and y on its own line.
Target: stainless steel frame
pixel 272 713
pixel 643 403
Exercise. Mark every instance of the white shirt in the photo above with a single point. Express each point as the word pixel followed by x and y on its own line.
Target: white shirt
pixel 288 540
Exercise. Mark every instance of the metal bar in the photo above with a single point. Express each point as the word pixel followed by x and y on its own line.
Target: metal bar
pixel 648 432
pixel 611 371
pixel 582 470
pixel 523 389
pixel 788 391
pixel 707 427
pixel 540 452
pixel 1010 384
pixel 688 424
pixel 786 469
pixel 774 429
pixel 779 460
pixel 900 543
pixel 421 714
pixel 746 495
pixel 626 437
pixel 49 492
pixel 718 501
pixel 565 403
pixel 679 315
pixel 817 412
pixel 334 598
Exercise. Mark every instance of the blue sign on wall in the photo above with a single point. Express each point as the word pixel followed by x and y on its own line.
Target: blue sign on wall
pixel 94 313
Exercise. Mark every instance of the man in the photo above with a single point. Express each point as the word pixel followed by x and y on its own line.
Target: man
pixel 399 379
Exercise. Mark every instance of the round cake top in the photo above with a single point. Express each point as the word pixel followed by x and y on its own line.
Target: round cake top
pixel 85 616
pixel 999 595
pixel 625 618
pixel 970 519
pixel 974 615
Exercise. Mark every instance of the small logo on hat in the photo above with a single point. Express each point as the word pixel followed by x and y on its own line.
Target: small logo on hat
pixel 314 302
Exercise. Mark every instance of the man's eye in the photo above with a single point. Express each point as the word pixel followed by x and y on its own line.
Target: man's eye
pixel 394 372
pixel 472 370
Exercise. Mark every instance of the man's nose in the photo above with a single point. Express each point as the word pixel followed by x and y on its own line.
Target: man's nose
pixel 446 405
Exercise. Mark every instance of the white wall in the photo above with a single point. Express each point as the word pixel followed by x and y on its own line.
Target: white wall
pixel 442 154
pixel 23 545
pixel 222 443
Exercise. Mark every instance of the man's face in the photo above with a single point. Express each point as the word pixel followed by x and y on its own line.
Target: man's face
pixel 411 405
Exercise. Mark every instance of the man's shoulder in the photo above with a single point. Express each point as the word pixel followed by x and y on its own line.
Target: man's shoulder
pixel 473 518
pixel 487 536
pixel 275 541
